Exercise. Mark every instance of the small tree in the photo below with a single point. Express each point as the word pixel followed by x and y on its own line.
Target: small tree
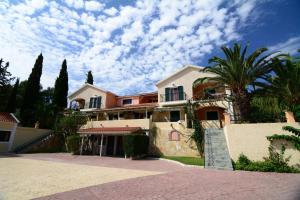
pixel 69 125
pixel 32 94
pixel 11 104
pixel 5 76
pixel 89 78
pixel 61 88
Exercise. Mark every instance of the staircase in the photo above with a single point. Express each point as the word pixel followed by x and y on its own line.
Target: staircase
pixel 24 147
pixel 216 152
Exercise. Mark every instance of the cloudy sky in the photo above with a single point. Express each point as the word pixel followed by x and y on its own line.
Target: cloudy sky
pixel 130 45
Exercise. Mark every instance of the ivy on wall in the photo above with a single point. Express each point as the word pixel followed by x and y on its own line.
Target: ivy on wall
pixel 194 122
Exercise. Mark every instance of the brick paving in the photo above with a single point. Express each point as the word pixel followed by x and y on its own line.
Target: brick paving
pixel 194 184
pixel 178 182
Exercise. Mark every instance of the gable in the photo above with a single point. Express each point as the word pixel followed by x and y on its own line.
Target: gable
pixel 180 73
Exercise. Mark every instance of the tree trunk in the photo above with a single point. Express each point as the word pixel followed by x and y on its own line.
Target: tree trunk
pixel 241 106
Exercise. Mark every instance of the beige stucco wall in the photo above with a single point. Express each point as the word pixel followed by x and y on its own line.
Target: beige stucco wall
pixel 185 78
pixel 86 93
pixel 143 123
pixel 6 125
pixel 25 135
pixel 183 147
pixel 250 139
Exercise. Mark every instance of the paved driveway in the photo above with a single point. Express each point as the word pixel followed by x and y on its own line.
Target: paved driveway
pixel 114 178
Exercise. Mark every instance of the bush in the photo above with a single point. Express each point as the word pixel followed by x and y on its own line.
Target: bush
pixel 73 143
pixel 274 163
pixel 135 145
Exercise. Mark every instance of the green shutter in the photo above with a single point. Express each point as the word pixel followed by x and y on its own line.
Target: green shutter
pixel 91 102
pixel 181 93
pixel 167 94
pixel 98 102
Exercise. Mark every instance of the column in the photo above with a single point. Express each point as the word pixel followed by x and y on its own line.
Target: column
pixel 115 144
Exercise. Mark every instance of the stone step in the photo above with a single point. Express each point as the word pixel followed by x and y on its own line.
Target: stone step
pixel 216 152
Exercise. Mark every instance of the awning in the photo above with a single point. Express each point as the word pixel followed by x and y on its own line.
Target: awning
pixel 109 130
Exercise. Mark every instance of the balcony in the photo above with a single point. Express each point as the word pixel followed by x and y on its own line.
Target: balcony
pixel 143 123
pixel 174 98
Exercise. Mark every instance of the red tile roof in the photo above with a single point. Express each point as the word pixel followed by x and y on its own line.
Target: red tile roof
pixel 110 130
pixel 7 117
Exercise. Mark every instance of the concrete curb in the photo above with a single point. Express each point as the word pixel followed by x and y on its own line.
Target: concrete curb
pixel 179 163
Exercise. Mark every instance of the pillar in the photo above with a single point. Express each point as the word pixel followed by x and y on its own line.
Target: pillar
pixel 289 117
pixel 227 120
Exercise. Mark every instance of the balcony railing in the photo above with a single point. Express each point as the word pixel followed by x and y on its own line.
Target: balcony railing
pixel 175 96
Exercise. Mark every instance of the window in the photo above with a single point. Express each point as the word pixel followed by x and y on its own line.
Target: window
pixel 174 94
pixel 174 136
pixel 95 102
pixel 127 101
pixel 175 116
pixel 4 136
pixel 212 115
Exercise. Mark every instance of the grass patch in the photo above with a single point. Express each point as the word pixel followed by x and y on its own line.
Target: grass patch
pixel 186 160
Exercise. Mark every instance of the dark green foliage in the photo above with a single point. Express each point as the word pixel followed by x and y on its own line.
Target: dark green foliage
pixel 32 94
pixel 293 130
pixel 12 101
pixel 69 125
pixel 276 162
pixel 89 78
pixel 61 88
pixel 135 145
pixel 73 143
pixel 296 111
pixel 285 84
pixel 238 71
pixel 265 109
pixel 5 76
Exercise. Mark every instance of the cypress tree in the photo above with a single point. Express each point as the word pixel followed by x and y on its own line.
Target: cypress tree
pixel 31 95
pixel 89 78
pixel 61 88
pixel 11 104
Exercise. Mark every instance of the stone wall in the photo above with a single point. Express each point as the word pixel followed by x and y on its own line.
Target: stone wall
pixel 173 139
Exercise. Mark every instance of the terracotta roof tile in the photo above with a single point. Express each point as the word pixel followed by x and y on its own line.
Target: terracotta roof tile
pixel 7 117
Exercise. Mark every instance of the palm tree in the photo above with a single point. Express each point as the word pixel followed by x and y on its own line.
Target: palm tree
pixel 285 84
pixel 238 71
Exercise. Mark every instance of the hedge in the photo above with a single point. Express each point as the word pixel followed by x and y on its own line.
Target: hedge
pixel 135 145
pixel 73 143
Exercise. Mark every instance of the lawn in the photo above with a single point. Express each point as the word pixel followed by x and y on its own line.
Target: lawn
pixel 186 160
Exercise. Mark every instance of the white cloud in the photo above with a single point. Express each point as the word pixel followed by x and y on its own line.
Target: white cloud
pixel 137 44
pixel 290 46
pixel 111 11
pixel 93 6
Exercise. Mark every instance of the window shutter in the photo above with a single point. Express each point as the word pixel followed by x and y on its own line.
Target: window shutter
pixel 99 102
pixel 181 93
pixel 91 102
pixel 167 94
pixel 95 102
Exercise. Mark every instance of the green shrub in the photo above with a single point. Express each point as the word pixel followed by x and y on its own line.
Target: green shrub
pixel 274 163
pixel 135 145
pixel 73 143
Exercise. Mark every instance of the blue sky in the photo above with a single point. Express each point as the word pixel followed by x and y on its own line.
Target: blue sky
pixel 130 45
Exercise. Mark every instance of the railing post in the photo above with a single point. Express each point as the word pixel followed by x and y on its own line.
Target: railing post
pixel 289 117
